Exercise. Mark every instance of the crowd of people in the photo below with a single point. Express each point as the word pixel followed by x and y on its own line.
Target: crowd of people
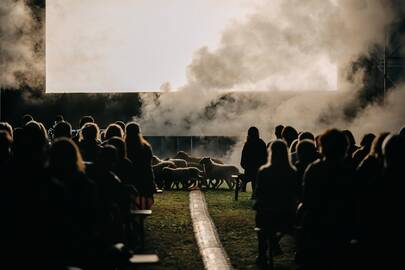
pixel 342 202
pixel 66 197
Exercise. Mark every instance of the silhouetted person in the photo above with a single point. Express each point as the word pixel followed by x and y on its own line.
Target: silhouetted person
pixel 388 213
pixel 364 149
pixel 289 134
pixel 121 124
pixel 327 205
pixel 306 136
pixel 126 172
pixel 85 119
pixel 254 155
pixel 113 130
pixel 111 195
pixel 26 118
pixel 6 127
pixel 352 142
pixel 62 130
pixel 306 154
pixel 89 142
pixel 123 167
pixel 24 201
pixel 79 202
pixel 51 131
pixel 278 130
pixel 140 153
pixel 276 197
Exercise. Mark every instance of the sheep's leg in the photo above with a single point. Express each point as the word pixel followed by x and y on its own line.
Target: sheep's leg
pixel 230 183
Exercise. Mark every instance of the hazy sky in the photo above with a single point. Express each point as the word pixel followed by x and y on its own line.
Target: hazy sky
pixel 131 45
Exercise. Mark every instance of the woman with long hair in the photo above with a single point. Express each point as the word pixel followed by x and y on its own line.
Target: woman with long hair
pixel 276 197
pixel 78 203
pixel 140 153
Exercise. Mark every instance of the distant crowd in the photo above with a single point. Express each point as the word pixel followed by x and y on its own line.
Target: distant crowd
pixel 341 201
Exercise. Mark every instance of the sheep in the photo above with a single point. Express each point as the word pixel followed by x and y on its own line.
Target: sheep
pixel 188 177
pixel 219 172
pixel 180 163
pixel 157 166
pixel 190 159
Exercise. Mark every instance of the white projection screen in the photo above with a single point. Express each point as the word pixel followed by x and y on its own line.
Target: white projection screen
pixel 130 45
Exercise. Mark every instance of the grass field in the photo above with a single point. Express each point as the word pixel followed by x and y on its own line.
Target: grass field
pixel 235 222
pixel 169 233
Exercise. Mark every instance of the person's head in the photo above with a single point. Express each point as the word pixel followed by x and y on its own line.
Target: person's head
pixel 350 138
pixel 279 154
pixel 65 157
pixel 5 145
pixel 132 129
pixel 376 146
pixel 334 144
pixel 59 118
pixel 90 132
pixel 26 118
pixel 113 130
pixel 133 134
pixel 306 136
pixel 121 124
pixel 119 144
pixel 6 127
pixel 30 144
pixel 86 119
pixel 278 130
pixel 306 151
pixel 108 156
pixel 253 133
pixel 367 140
pixel 34 136
pixel 394 150
pixel 289 134
pixel 62 129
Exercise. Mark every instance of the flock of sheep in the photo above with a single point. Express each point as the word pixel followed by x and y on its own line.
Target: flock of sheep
pixel 186 172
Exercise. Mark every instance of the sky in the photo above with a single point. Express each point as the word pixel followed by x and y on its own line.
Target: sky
pixel 131 45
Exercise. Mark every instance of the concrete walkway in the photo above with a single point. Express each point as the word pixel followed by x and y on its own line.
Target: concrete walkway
pixel 212 252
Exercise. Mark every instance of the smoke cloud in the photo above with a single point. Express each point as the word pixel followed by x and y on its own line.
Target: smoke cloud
pixel 21 45
pixel 287 44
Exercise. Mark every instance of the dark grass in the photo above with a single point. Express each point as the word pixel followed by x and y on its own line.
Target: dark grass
pixel 235 222
pixel 169 233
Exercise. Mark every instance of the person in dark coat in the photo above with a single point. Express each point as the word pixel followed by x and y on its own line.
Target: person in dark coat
pixel 254 155
pixel 89 142
pixel 362 152
pixel 78 202
pixel 306 154
pixel 276 198
pixel 387 221
pixel 140 153
pixel 289 134
pixel 327 205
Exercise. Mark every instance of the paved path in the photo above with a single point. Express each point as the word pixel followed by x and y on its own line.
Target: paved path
pixel 212 252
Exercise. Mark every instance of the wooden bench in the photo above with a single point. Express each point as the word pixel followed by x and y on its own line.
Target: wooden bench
pixel 140 259
pixel 140 216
